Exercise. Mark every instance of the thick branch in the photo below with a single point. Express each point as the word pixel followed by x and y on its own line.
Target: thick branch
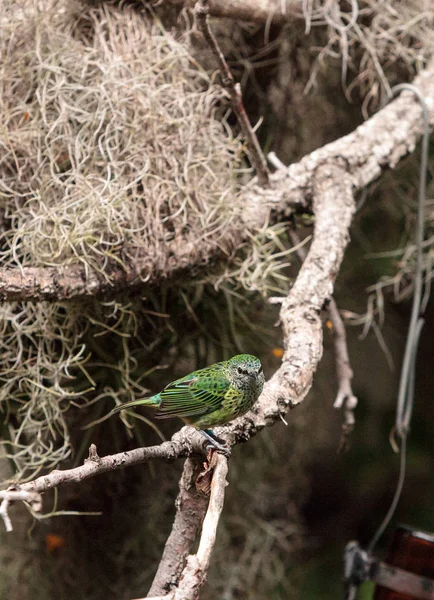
pixel 345 397
pixel 190 510
pixel 258 11
pixel 194 574
pixel 334 208
pixel 377 144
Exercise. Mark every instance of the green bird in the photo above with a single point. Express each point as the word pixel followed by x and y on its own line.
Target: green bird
pixel 209 397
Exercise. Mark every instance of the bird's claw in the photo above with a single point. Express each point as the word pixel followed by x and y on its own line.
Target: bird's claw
pixel 216 447
pixel 215 443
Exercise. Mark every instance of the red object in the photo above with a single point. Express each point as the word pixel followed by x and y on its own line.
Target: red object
pixel 412 551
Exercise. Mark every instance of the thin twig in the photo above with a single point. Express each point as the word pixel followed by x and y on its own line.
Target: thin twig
pixel 185 442
pixel 201 11
pixel 4 506
pixel 345 397
pixel 274 160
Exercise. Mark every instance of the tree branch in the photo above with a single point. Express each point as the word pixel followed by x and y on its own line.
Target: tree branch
pixel 194 574
pixel 334 206
pixel 327 179
pixel 184 443
pixel 345 397
pixel 190 510
pixel 13 494
pixel 258 11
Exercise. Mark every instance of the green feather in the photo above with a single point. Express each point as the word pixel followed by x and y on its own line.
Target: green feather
pixel 199 393
pixel 153 401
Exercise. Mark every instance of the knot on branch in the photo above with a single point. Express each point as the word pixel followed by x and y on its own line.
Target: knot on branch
pixel 93 455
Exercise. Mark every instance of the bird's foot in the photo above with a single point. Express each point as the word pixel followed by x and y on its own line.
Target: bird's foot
pixel 204 479
pixel 215 443
pixel 210 448
pixel 216 447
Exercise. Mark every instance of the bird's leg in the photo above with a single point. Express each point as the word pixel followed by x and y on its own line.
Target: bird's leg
pixel 215 442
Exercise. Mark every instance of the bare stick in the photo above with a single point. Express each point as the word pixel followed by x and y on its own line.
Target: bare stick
pixel 201 11
pixel 194 574
pixel 300 314
pixel 215 507
pixel 4 506
pixel 345 398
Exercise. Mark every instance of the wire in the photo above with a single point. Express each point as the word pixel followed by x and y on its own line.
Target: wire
pixel 405 400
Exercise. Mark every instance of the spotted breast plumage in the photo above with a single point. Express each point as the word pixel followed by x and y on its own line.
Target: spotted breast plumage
pixel 211 396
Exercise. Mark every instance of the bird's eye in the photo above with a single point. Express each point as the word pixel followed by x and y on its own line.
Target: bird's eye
pixel 240 370
pixel 260 369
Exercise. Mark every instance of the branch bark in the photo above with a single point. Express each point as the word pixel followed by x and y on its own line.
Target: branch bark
pixel 258 11
pixel 344 373
pixel 378 144
pixel 12 495
pixel 190 510
pixel 334 207
pixel 185 442
pixel 194 575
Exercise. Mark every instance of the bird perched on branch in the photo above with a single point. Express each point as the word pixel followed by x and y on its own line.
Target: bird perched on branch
pixel 209 397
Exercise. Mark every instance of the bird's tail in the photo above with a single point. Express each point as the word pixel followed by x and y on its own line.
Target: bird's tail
pixel 153 401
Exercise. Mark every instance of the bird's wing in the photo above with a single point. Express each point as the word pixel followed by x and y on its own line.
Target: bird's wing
pixel 199 393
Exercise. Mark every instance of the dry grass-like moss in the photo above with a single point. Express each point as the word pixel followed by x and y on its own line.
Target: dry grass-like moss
pixel 379 44
pixel 110 142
